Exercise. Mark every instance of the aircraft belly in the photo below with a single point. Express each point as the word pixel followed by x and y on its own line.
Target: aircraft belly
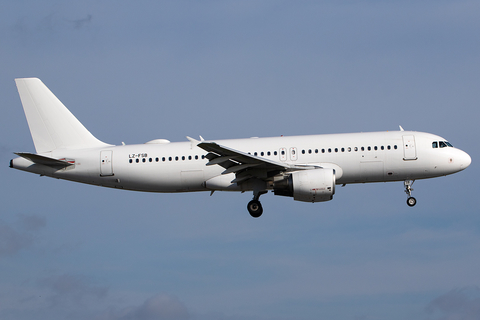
pixel 154 181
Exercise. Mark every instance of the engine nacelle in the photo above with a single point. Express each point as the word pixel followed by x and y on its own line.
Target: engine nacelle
pixel 314 185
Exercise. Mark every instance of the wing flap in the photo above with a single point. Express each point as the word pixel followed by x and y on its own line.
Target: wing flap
pixel 240 167
pixel 221 159
pixel 241 179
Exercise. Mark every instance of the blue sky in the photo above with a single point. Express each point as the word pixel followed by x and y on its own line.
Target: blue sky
pixel 137 71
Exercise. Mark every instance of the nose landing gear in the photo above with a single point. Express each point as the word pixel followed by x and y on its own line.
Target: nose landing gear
pixel 254 207
pixel 411 201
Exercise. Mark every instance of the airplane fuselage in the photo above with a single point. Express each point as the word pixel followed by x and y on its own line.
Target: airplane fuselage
pixel 162 166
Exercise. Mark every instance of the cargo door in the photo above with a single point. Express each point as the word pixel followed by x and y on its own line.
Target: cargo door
pixel 372 171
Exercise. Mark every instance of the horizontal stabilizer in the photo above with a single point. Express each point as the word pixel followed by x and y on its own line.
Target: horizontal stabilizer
pixel 38 159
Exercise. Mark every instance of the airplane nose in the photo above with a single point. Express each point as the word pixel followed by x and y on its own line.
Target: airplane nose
pixel 464 160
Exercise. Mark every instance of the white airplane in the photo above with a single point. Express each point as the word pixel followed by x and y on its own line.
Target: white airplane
pixel 306 168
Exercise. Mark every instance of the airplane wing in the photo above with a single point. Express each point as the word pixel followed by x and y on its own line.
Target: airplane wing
pixel 245 165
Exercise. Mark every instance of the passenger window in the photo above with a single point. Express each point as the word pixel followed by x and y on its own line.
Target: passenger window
pixel 156 159
pixel 434 144
pixel 169 158
pixel 163 158
pixel 196 157
pixel 143 160
pixel 395 147
pixel 343 149
pixel 323 150
pixel 349 149
pixel 130 161
pixel 382 147
pixel 150 160
pixel 275 153
pixel 329 150
pixel 268 153
pixel 316 150
pixel 356 149
pixel 309 151
pixel 137 160
pixel 336 149
pixel 261 153
pixel 303 151
pixel 183 157
pixel 369 148
pixel 254 153
pixel 388 147
pixel 176 158
pixel 189 157
pixel 442 144
pixel 375 148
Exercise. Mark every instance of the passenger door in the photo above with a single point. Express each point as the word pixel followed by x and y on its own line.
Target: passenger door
pixel 409 150
pixel 106 167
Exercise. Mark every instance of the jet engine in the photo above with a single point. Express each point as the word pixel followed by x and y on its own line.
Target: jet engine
pixel 313 185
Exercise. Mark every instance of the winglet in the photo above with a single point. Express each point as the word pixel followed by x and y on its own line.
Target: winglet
pixel 193 143
pixel 401 129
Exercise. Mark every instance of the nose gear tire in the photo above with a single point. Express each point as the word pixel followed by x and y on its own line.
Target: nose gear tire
pixel 411 201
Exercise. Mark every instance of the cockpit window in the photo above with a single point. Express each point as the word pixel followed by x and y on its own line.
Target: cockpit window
pixel 442 144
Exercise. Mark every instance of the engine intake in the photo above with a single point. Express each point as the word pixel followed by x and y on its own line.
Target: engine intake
pixel 314 185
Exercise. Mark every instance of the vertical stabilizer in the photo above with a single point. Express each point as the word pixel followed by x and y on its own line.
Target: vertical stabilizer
pixel 51 124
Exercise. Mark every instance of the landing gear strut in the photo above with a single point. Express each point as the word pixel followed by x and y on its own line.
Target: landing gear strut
pixel 254 207
pixel 411 201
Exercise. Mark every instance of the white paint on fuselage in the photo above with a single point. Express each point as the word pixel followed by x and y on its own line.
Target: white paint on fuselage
pixel 352 165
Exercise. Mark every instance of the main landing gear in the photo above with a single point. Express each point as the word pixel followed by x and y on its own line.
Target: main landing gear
pixel 254 207
pixel 411 201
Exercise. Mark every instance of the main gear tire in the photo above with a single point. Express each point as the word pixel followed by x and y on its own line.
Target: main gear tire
pixel 255 208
